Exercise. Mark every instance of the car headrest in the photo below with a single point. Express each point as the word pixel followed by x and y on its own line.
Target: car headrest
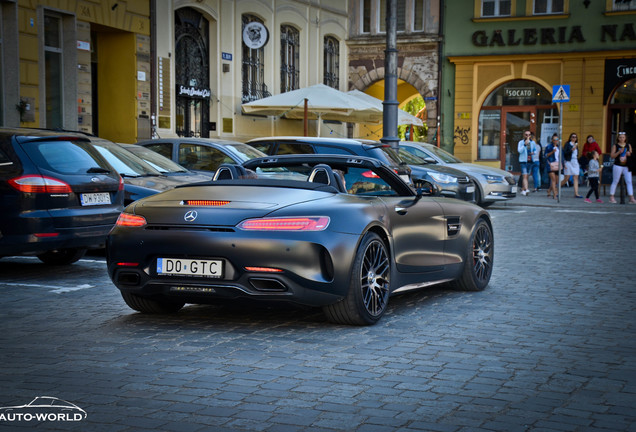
pixel 322 173
pixel 229 172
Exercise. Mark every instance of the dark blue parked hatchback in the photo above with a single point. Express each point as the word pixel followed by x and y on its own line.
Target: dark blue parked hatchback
pixel 58 196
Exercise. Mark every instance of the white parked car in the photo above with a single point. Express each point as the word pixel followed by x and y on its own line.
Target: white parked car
pixel 491 184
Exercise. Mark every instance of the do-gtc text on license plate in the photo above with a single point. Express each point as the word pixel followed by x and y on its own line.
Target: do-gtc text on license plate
pixel 95 198
pixel 190 267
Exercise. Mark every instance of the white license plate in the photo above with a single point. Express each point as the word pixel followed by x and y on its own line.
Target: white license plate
pixel 470 189
pixel 190 267
pixel 513 189
pixel 89 199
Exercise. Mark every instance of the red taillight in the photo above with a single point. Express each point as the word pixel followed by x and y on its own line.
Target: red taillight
pixel 40 184
pixel 127 264
pixel 317 223
pixel 46 235
pixel 209 203
pixel 121 184
pixel 370 174
pixel 130 220
pixel 263 269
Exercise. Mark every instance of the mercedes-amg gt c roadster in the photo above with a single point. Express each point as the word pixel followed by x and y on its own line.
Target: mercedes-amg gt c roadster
pixel 340 232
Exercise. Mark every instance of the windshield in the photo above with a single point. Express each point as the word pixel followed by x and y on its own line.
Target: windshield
pixel 244 151
pixel 157 161
pixel 124 161
pixel 443 155
pixel 410 158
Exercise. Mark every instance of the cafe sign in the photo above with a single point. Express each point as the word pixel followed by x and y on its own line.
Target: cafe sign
pixel 519 92
pixel 193 92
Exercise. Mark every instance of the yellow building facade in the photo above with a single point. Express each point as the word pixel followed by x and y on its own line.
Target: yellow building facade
pixel 77 65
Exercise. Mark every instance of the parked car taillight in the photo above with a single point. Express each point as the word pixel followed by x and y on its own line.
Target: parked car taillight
pixel 40 184
pixel 130 220
pixel 121 184
pixel 313 223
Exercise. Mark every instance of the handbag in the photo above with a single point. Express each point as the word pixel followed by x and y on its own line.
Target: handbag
pixel 554 166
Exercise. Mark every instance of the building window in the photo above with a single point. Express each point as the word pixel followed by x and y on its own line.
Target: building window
pixel 542 7
pixel 53 70
pixel 253 68
pixel 624 5
pixel 410 16
pixel 332 62
pixel 495 8
pixel 289 58
pixel 366 16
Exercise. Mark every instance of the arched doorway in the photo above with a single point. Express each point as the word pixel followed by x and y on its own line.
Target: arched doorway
pixel 506 113
pixel 622 113
pixel 192 73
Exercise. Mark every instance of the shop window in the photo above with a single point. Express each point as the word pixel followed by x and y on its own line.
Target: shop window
pixel 253 67
pixel 542 7
pixel 53 70
pixel 495 8
pixel 489 134
pixel 624 5
pixel 332 62
pixel 289 58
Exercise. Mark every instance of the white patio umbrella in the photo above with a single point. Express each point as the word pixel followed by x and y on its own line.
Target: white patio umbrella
pixel 323 103
pixel 403 117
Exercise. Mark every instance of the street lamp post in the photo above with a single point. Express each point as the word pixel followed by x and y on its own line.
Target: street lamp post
pixel 390 102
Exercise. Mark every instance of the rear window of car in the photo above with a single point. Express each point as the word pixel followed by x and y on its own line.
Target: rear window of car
pixel 294 148
pixel 164 149
pixel 321 149
pixel 64 157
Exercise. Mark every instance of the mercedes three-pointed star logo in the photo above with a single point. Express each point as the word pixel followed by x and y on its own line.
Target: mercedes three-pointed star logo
pixel 190 216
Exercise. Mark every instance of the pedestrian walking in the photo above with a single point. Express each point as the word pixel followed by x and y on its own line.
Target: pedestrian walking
pixel 593 174
pixel 552 159
pixel 571 164
pixel 526 148
pixel 620 152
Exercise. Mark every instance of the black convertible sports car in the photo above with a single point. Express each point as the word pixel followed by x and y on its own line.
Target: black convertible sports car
pixel 335 231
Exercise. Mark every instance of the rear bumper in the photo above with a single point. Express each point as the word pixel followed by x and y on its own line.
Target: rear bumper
pixel 30 244
pixel 315 269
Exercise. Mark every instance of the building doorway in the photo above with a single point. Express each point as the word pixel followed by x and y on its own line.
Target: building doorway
pixel 507 112
pixel 622 114
pixel 192 73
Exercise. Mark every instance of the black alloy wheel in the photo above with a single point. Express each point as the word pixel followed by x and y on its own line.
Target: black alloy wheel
pixel 369 289
pixel 479 259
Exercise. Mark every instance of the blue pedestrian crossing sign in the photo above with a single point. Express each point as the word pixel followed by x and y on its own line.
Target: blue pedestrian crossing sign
pixel 560 93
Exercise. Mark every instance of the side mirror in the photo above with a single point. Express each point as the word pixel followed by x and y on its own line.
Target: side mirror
pixel 426 188
pixel 430 160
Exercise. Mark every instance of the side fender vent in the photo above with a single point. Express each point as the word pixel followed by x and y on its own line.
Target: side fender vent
pixel 453 225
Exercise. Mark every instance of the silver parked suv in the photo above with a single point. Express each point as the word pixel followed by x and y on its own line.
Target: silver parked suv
pixel 491 184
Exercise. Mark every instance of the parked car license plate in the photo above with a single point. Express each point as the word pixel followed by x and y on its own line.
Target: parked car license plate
pixel 88 199
pixel 513 189
pixel 190 267
pixel 470 189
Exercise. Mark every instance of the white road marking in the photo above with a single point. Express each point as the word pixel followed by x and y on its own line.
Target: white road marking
pixel 53 288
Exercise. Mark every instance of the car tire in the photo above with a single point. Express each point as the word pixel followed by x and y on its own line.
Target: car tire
pixel 479 259
pixel 369 289
pixel 62 256
pixel 150 305
pixel 478 199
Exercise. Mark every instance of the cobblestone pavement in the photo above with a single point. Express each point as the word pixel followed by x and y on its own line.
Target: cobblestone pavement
pixel 550 345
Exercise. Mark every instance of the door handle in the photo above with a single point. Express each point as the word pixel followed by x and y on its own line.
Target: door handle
pixel 401 210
